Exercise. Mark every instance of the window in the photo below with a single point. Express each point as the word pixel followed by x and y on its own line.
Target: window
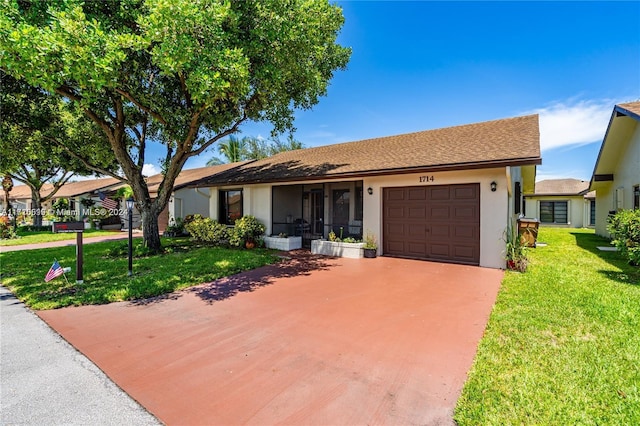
pixel 357 214
pixel 230 206
pixel 517 198
pixel 636 197
pixel 553 212
pixel 592 212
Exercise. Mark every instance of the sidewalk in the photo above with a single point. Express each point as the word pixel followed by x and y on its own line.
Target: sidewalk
pixel 44 380
pixel 72 242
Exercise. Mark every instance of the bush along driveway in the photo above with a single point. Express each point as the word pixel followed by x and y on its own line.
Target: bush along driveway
pixel 562 343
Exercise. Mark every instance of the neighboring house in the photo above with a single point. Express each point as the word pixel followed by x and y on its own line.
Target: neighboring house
pixel 562 203
pixel 616 176
pixel 20 195
pixel 446 195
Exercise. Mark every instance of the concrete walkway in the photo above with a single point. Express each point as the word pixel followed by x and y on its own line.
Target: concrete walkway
pixel 72 242
pixel 310 341
pixel 45 381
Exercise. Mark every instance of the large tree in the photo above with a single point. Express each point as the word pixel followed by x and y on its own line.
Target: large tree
pixel 40 135
pixel 185 73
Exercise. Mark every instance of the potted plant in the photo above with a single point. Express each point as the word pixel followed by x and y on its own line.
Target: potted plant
pixel 370 248
pixel 247 231
pixel 515 251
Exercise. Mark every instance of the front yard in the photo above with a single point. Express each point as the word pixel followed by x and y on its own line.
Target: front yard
pixel 105 272
pixel 563 342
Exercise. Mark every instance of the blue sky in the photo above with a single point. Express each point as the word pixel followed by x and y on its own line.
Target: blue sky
pixel 425 65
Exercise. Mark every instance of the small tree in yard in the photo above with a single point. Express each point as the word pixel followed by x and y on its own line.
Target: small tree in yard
pixel 624 228
pixel 185 73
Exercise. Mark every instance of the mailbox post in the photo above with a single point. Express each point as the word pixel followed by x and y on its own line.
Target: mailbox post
pixel 78 228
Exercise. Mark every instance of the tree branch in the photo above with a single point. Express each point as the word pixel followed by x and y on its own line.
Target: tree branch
pixel 85 162
pixel 57 186
pixel 187 95
pixel 146 109
pixel 229 131
pixel 68 93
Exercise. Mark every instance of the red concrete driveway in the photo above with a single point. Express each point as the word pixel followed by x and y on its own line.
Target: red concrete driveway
pixel 310 341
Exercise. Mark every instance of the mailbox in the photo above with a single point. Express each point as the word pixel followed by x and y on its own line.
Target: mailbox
pixel 528 231
pixel 67 227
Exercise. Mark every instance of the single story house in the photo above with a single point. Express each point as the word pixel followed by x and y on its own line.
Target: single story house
pixel 616 175
pixel 446 195
pixel 562 203
pixel 20 195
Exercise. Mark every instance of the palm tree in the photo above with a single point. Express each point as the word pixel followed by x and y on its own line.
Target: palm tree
pixel 232 150
pixel 251 148
pixel 7 186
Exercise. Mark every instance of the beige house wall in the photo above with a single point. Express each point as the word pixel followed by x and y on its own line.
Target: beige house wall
pixel 495 207
pixel 578 211
pixel 618 194
pixel 188 201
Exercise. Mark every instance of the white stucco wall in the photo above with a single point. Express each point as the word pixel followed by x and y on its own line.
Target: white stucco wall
pixel 494 208
pixel 577 210
pixel 626 176
pixel 257 202
pixel 188 201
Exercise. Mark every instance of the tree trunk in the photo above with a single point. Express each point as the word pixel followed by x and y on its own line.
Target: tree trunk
pixel 150 230
pixel 36 207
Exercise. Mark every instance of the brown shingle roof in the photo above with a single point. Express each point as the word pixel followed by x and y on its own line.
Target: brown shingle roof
pixel 632 107
pixel 69 189
pixel 562 187
pixel 513 141
pixel 190 175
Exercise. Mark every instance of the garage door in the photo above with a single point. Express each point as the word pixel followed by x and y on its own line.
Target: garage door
pixel 440 222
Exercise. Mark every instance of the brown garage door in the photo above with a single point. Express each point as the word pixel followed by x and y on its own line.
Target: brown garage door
pixel 440 222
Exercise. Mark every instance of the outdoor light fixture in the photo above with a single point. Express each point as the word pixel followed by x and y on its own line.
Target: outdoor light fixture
pixel 370 191
pixel 494 186
pixel 130 211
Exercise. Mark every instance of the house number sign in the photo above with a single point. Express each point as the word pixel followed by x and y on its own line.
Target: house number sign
pixel 428 178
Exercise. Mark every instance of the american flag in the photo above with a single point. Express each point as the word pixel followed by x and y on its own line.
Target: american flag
pixel 107 202
pixel 54 272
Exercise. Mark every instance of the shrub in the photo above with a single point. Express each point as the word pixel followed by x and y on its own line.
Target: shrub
pixel 207 230
pixel 36 228
pixel 246 229
pixel 176 228
pixel 515 250
pixel 7 232
pixel 624 228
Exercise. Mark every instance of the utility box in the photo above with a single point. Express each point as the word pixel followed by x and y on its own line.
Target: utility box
pixel 528 231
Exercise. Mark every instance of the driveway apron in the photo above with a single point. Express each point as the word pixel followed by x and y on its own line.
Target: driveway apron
pixel 309 341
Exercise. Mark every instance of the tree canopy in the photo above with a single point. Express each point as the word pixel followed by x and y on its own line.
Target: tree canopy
pixel 42 140
pixel 185 73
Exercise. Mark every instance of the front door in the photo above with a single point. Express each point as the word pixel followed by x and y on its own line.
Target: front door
pixel 313 216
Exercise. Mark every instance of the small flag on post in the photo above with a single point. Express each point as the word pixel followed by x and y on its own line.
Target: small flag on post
pixel 54 272
pixel 107 202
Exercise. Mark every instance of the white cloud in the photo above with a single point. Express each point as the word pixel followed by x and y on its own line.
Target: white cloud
pixel 150 170
pixel 573 122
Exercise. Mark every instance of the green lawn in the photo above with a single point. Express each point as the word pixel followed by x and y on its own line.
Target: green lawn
pixel 562 346
pixel 105 272
pixel 34 237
